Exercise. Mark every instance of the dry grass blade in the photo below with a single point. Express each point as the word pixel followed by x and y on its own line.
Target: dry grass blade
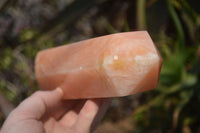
pixel 5 105
pixel 65 17
pixel 4 4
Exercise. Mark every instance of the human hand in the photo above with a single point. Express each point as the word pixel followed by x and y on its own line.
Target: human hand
pixel 46 112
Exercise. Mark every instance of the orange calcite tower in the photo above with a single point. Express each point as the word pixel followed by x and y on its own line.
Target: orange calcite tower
pixel 108 66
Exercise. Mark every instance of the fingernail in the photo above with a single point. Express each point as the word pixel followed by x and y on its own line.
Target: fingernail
pixel 58 89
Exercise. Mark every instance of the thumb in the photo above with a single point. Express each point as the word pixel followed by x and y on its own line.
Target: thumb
pixel 38 103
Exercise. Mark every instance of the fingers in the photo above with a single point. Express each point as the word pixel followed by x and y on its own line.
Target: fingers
pixel 36 105
pixel 100 114
pixel 71 115
pixel 52 126
pixel 58 111
pixel 88 113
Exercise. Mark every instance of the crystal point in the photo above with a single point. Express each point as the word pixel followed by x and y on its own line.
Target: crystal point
pixel 108 66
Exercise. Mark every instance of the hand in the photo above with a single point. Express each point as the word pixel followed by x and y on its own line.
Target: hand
pixel 46 112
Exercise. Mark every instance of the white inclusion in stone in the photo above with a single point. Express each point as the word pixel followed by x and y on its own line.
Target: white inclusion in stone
pixel 147 59
pixel 145 62
pixel 107 61
pixel 81 68
pixel 115 57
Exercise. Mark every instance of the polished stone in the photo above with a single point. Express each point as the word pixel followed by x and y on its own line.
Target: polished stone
pixel 108 66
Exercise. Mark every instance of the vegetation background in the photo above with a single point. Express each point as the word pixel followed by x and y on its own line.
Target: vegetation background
pixel 27 26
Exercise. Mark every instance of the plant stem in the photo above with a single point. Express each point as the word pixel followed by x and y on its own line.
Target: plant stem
pixel 179 29
pixel 141 14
